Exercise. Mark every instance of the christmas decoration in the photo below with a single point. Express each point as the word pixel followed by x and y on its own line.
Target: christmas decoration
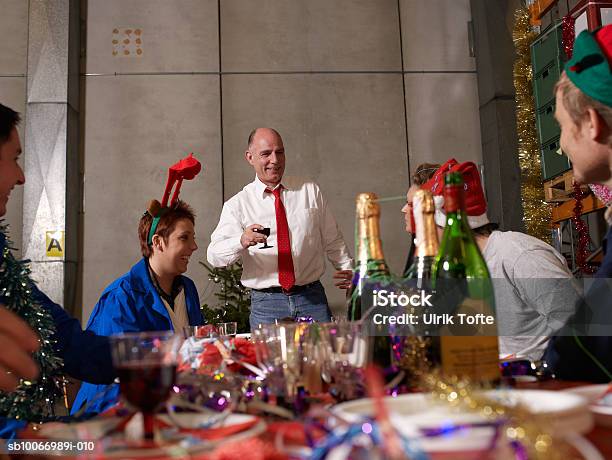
pixel 410 356
pixel 603 192
pixel 235 299
pixel 528 436
pixel 33 401
pixel 536 211
pixel 582 250
pixel 568 34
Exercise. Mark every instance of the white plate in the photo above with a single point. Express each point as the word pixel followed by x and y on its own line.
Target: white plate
pixel 601 412
pixel 410 413
pixel 174 442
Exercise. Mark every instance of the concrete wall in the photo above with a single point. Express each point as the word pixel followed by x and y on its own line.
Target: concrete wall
pixel 362 92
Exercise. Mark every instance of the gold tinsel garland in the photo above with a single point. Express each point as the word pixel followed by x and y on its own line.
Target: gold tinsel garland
pixel 532 435
pixel 537 212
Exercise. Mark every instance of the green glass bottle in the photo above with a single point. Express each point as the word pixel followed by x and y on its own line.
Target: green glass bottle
pixel 426 243
pixel 370 264
pixel 462 279
pixel 421 350
pixel 370 267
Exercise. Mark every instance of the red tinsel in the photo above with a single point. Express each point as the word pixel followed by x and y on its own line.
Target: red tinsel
pixel 582 250
pixel 568 35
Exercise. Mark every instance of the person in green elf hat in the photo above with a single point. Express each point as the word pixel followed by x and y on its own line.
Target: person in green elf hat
pixel 584 112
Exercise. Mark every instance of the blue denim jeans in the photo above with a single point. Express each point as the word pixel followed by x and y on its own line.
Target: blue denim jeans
pixel 269 306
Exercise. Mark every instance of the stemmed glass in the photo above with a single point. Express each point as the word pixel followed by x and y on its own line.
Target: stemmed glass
pixel 264 231
pixel 346 352
pixel 201 332
pixel 227 329
pixel 146 365
pixel 279 350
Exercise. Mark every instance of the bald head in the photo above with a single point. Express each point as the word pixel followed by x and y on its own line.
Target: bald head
pixel 266 154
pixel 267 131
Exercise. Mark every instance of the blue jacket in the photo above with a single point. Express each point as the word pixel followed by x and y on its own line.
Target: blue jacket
pixel 131 304
pixel 86 355
pixel 568 356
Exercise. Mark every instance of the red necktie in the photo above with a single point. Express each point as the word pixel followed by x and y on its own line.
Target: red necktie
pixel 286 275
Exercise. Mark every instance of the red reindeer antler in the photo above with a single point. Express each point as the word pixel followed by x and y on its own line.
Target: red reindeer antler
pixel 187 168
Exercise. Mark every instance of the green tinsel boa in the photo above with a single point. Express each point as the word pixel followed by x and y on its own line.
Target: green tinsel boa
pixel 31 401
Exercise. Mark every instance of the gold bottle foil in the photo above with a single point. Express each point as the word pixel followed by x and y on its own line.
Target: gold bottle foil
pixel 427 236
pixel 367 231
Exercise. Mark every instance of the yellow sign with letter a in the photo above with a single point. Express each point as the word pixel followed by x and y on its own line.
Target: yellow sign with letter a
pixel 55 243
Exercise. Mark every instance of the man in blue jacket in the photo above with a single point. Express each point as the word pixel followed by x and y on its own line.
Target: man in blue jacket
pixel 82 355
pixel 584 112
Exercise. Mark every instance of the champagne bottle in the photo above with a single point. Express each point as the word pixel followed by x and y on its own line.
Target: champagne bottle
pixel 370 267
pixel 462 279
pixel 426 243
pixel 370 262
pixel 421 351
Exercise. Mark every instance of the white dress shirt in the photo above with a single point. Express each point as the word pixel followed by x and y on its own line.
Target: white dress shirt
pixel 313 232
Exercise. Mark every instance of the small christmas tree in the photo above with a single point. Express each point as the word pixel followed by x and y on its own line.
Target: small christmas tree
pixel 234 299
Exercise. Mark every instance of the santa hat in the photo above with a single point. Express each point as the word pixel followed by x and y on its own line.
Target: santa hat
pixel 475 202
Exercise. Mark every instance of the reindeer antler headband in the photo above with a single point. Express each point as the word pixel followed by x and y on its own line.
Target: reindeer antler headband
pixel 185 169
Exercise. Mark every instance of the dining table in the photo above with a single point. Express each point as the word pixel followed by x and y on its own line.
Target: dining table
pixel 264 446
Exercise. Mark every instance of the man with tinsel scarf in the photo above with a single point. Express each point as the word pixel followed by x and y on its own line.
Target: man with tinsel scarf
pixel 584 112
pixel 30 384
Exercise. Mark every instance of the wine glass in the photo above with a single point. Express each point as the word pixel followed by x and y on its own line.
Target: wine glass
pixel 264 231
pixel 278 348
pixel 227 329
pixel 146 365
pixel 201 332
pixel 346 351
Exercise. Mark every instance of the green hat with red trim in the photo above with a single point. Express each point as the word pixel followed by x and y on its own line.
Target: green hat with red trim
pixel 590 66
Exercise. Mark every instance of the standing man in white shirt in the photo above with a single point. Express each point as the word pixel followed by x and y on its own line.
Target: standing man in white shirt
pixel 284 278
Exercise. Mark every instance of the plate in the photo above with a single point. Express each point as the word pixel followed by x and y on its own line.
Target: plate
pixel 170 441
pixel 411 413
pixel 601 412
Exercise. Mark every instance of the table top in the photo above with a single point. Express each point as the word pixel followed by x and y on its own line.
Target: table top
pixel 600 437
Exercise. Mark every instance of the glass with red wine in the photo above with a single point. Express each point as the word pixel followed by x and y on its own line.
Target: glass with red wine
pixel 264 231
pixel 146 366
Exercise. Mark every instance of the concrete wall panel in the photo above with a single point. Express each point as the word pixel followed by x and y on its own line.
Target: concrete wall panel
pixel 277 35
pixel 14 43
pixel 443 119
pixel 435 35
pixel 135 128
pixel 175 36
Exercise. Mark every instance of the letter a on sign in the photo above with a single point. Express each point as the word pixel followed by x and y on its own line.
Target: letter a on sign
pixel 55 244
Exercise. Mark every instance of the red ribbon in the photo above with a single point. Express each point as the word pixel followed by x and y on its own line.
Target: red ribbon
pixel 582 250
pixel 568 35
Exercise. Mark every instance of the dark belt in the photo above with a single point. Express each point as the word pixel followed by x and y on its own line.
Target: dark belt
pixel 293 290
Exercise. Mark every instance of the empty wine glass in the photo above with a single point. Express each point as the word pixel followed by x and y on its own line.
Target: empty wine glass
pixel 280 350
pixel 146 365
pixel 346 352
pixel 227 329
pixel 200 332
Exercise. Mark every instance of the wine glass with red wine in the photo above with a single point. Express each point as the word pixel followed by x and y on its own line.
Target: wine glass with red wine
pixel 264 231
pixel 146 366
